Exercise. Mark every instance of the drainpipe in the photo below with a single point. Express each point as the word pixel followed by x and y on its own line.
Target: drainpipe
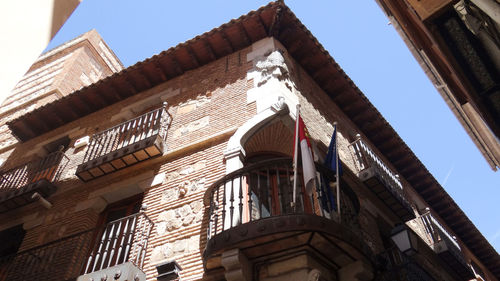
pixel 37 197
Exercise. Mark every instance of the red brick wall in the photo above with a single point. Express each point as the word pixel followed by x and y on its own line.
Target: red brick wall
pixel 215 94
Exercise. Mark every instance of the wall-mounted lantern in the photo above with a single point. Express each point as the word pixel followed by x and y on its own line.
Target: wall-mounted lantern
pixel 405 239
pixel 168 271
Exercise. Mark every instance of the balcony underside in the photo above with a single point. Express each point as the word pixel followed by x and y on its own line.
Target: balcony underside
pixel 278 236
pixel 457 263
pixel 13 199
pixel 121 158
pixel 122 272
pixel 396 202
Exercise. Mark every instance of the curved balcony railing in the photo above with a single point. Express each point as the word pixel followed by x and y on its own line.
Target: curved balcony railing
pixel 265 189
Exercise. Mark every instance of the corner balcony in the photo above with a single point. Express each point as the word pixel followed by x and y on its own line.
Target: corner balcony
pixel 119 250
pixel 126 144
pixel 18 186
pixel 58 260
pixel 446 247
pixel 381 180
pixel 251 209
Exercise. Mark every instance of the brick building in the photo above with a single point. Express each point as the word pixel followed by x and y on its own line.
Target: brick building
pixel 180 167
pixel 457 43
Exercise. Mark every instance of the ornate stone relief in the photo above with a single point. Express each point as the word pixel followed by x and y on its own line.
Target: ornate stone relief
pixel 274 66
pixel 313 275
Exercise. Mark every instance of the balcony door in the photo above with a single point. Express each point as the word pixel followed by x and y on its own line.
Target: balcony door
pixel 269 189
pixel 114 234
pixel 120 210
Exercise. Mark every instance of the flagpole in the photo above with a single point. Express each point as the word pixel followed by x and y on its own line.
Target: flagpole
pixel 338 172
pixel 295 156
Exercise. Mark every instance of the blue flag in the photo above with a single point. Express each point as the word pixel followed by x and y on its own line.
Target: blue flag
pixel 328 198
pixel 331 155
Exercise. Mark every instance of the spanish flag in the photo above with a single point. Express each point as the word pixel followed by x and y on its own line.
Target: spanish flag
pixel 306 153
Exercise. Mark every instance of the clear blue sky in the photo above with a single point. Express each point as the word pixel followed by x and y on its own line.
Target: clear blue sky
pixel 358 36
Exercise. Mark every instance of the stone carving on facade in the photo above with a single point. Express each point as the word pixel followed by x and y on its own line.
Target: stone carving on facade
pixel 313 275
pixel 280 105
pixel 274 67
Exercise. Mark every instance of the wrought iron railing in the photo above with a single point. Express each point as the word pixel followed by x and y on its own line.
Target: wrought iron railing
pixel 122 240
pixel 438 234
pixel 365 158
pixel 153 123
pixel 400 267
pixel 58 260
pixel 265 189
pixel 49 168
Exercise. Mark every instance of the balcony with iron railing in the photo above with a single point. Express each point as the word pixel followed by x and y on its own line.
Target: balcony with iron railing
pixel 125 144
pixel 396 266
pixel 19 186
pixel 381 180
pixel 446 246
pixel 251 207
pixel 58 260
pixel 119 250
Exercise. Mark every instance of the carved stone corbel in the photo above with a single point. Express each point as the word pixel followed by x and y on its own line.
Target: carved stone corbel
pixel 237 266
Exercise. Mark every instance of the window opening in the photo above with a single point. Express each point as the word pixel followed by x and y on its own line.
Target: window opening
pixel 11 238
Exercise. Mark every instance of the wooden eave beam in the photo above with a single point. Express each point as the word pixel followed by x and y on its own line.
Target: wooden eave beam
pixel 415 176
pixel 78 106
pixel 101 102
pixel 192 56
pixel 66 112
pixel 350 106
pixel 383 136
pixel 432 196
pixel 244 33
pixel 439 204
pixel 275 24
pixel 295 46
pixel 285 36
pixel 399 158
pixel 56 114
pixel 110 91
pixel 209 49
pixel 177 67
pixel 409 169
pixel 320 71
pixel 385 143
pixel 362 119
pixel 129 86
pixel 25 130
pixel 337 85
pixel 262 26
pixel 227 41
pixel 107 98
pixel 144 78
pixel 159 69
pixel 36 125
pixel 119 88
pixel 89 105
pixel 420 187
pixel 309 59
